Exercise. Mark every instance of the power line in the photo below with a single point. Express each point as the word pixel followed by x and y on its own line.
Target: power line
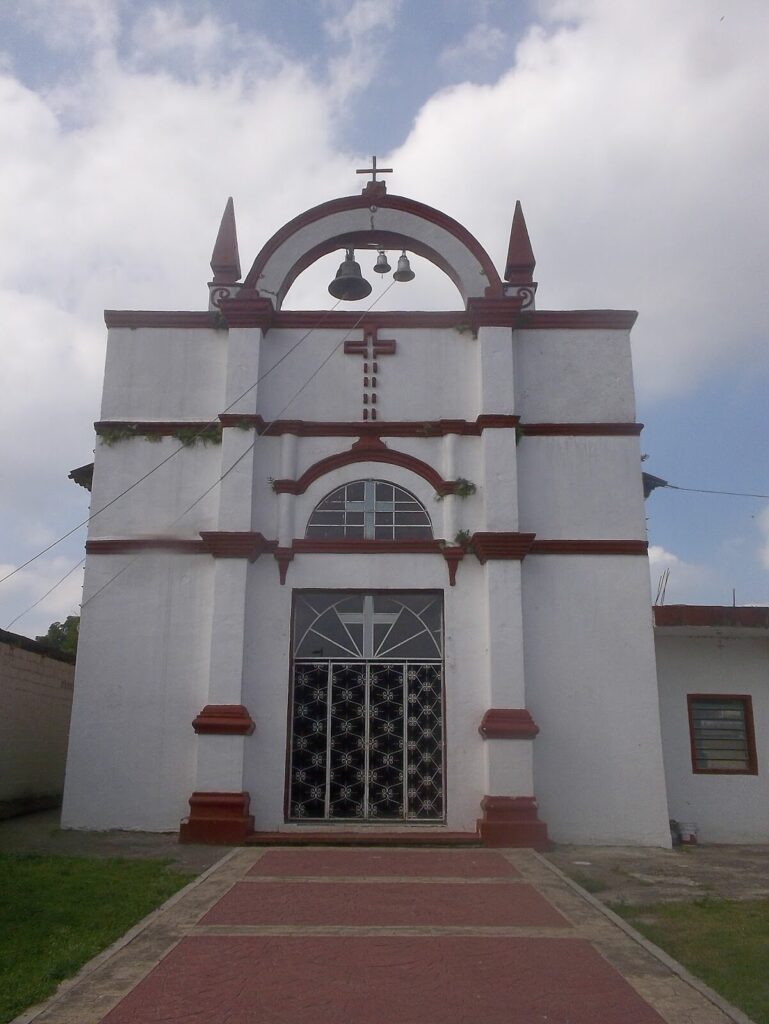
pixel 58 583
pixel 168 458
pixel 702 490
pixel 246 452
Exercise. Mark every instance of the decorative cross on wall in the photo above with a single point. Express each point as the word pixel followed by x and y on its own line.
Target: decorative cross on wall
pixel 371 348
pixel 373 170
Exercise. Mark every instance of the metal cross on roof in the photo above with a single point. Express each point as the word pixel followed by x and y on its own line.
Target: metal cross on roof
pixel 373 170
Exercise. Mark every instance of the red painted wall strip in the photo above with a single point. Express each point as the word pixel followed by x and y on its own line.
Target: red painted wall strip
pixel 589 547
pixel 580 429
pixel 119 546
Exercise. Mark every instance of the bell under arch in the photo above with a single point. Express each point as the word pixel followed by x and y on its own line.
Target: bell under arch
pixel 373 220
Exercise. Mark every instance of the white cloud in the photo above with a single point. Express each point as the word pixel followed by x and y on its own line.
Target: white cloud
pixel 360 29
pixel 686 583
pixel 482 42
pixel 634 137
pixel 632 133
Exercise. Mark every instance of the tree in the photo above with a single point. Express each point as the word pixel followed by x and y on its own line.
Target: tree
pixel 62 636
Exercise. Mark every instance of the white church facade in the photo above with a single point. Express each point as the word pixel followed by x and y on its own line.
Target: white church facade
pixel 395 580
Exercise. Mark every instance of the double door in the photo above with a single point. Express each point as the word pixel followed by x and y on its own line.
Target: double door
pixel 367 708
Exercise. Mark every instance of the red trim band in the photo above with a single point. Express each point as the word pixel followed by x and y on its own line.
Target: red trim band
pixel 378 429
pixel 589 547
pixel 577 319
pixel 493 546
pixel 365 450
pixel 217 818
pixel 249 314
pixel 580 429
pixel 223 720
pixel 235 544
pixel 512 821
pixel 508 724
pixel 710 615
pixel 124 545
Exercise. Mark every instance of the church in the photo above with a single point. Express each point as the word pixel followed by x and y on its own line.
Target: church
pixel 369 572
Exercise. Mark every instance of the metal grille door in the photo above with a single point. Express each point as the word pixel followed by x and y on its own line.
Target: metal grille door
pixel 367 734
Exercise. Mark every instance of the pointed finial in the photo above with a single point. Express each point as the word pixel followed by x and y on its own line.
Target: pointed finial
pixel 225 260
pixel 519 268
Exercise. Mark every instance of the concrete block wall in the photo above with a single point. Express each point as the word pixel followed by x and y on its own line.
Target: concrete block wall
pixel 36 688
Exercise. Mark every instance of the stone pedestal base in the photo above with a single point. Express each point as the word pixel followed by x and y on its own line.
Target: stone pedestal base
pixel 512 821
pixel 217 818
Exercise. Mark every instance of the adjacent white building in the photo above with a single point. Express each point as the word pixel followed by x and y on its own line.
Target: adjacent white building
pixel 396 577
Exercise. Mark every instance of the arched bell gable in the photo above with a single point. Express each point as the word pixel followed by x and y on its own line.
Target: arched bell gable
pixel 371 221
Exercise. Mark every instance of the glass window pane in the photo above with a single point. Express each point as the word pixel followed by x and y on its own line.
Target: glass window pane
pixel 384 492
pixel 384 518
pixel 354 519
pixel 383 533
pixel 354 531
pixel 355 491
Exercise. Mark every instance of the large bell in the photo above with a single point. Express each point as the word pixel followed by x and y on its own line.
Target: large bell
pixel 349 283
pixel 382 266
pixel 404 271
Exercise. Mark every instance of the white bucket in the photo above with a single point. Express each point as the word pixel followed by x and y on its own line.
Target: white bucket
pixel 688 831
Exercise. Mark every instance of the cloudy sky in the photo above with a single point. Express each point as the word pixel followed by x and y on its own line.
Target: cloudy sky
pixel 635 134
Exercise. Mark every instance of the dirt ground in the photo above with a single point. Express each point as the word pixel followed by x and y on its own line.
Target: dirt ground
pixel 619 874
pixel 615 874
pixel 40 833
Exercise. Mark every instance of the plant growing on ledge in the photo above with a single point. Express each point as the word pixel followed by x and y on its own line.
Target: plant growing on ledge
pixel 462 489
pixel 111 435
pixel 462 539
pixel 188 436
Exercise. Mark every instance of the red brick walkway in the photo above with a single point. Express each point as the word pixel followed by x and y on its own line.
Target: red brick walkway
pixel 376 936
pixel 381 936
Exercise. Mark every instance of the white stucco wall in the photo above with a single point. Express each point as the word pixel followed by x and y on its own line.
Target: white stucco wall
pixel 156 373
pixel 581 487
pixel 725 808
pixel 35 706
pixel 591 688
pixel 574 376
pixel 142 676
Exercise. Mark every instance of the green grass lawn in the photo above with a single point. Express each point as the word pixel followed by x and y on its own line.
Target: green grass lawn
pixel 58 912
pixel 725 943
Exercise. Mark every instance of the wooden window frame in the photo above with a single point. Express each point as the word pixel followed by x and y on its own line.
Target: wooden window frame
pixel 750 735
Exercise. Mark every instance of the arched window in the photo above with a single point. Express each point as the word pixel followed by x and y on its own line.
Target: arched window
pixel 373 510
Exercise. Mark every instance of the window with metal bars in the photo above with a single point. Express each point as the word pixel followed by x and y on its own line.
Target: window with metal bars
pixel 370 510
pixel 721 732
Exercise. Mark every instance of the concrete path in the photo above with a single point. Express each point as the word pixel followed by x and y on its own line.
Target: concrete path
pixel 382 936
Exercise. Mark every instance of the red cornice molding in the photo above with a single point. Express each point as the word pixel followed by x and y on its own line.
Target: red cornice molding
pixel 217 818
pixel 377 429
pixel 159 318
pixel 589 547
pixel 247 309
pixel 308 545
pixel 345 320
pixel 125 545
pixel 243 311
pixel 453 555
pixel 580 429
pixel 577 319
pixel 365 450
pixel 508 724
pixel 236 544
pixel 494 312
pixel 153 427
pixel 711 615
pixel 223 720
pixel 501 545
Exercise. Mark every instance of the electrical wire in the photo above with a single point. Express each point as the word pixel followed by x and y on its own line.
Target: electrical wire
pixel 702 490
pixel 66 575
pixel 170 456
pixel 250 448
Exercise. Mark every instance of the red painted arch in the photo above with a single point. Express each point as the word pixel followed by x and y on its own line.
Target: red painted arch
pixel 369 238
pixel 386 455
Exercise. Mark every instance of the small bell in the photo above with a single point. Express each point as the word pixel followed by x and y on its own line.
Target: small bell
pixel 349 283
pixel 382 266
pixel 404 271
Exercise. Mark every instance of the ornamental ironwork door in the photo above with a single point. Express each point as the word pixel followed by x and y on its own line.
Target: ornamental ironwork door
pixel 367 707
